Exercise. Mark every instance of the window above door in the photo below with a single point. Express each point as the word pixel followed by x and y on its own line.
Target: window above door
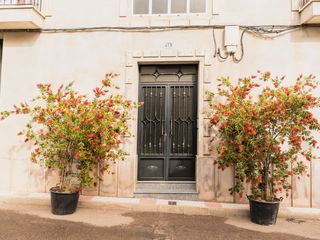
pixel 169 7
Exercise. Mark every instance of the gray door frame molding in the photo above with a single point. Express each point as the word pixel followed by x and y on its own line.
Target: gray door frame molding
pixel 185 160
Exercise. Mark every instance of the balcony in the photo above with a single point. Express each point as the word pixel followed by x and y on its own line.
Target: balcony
pixel 21 14
pixel 309 11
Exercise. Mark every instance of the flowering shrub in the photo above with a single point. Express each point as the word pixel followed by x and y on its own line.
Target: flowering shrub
pixel 265 132
pixel 77 136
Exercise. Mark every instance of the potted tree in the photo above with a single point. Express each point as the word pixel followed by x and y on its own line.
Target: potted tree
pixel 75 135
pixel 266 133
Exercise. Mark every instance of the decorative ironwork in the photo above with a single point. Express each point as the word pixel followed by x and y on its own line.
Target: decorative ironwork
pixel 167 122
pixel 303 3
pixel 153 168
pixel 153 118
pixel 168 73
pixel 182 120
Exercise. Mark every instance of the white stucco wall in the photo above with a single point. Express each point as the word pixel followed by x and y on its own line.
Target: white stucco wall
pixel 30 58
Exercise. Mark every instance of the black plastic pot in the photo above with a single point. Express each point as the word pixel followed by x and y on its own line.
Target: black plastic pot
pixel 264 213
pixel 63 203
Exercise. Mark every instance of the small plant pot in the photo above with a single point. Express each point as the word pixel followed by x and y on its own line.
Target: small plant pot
pixel 264 213
pixel 63 203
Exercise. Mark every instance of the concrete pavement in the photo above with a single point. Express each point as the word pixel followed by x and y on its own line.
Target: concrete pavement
pixel 33 222
pixel 160 205
pixel 28 216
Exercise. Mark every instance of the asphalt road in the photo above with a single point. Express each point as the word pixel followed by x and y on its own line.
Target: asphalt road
pixel 19 226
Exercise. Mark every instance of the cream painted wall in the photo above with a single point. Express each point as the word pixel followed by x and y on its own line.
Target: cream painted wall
pixel 30 58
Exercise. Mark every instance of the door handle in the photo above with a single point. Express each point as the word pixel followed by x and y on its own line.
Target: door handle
pixel 170 127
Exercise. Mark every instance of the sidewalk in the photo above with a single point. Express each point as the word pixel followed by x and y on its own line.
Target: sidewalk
pixel 158 205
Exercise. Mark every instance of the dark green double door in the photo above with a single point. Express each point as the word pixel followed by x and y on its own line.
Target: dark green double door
pixel 167 123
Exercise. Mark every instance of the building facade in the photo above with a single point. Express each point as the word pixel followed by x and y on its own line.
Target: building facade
pixel 168 53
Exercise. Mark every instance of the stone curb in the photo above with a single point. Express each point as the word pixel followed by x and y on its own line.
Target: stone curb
pixel 159 205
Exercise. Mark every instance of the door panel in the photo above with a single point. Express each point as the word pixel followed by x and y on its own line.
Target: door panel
pixel 153 120
pixel 181 168
pixel 182 139
pixel 151 168
pixel 152 116
pixel 167 123
pixel 182 120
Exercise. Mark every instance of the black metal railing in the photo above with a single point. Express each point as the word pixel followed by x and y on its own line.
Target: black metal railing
pixel 303 3
pixel 36 3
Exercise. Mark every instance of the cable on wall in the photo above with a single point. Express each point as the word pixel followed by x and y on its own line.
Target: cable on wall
pixel 265 32
pixel 234 57
pixel 262 31
pixel 215 43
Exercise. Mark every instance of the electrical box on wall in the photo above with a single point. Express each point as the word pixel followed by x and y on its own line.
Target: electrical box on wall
pixel 231 38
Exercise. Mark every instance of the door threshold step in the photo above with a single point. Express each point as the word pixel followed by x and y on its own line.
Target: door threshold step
pixel 167 190
pixel 162 187
pixel 167 182
pixel 164 192
pixel 169 196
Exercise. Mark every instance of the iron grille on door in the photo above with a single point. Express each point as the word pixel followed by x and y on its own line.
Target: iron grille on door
pixel 167 122
pixel 182 120
pixel 154 120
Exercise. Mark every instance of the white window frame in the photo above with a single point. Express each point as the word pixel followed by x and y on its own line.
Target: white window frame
pixel 169 10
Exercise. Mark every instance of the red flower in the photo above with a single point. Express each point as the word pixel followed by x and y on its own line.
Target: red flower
pixel 77 155
pixel 49 121
pixel 314 142
pixel 214 119
pixel 267 74
pixel 117 114
pixel 91 135
pixel 100 115
pixel 276 149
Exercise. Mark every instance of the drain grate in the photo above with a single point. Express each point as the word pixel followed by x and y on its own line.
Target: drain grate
pixel 172 203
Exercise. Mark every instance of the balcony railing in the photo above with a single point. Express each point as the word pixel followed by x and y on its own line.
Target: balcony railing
pixel 309 11
pixel 36 3
pixel 303 3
